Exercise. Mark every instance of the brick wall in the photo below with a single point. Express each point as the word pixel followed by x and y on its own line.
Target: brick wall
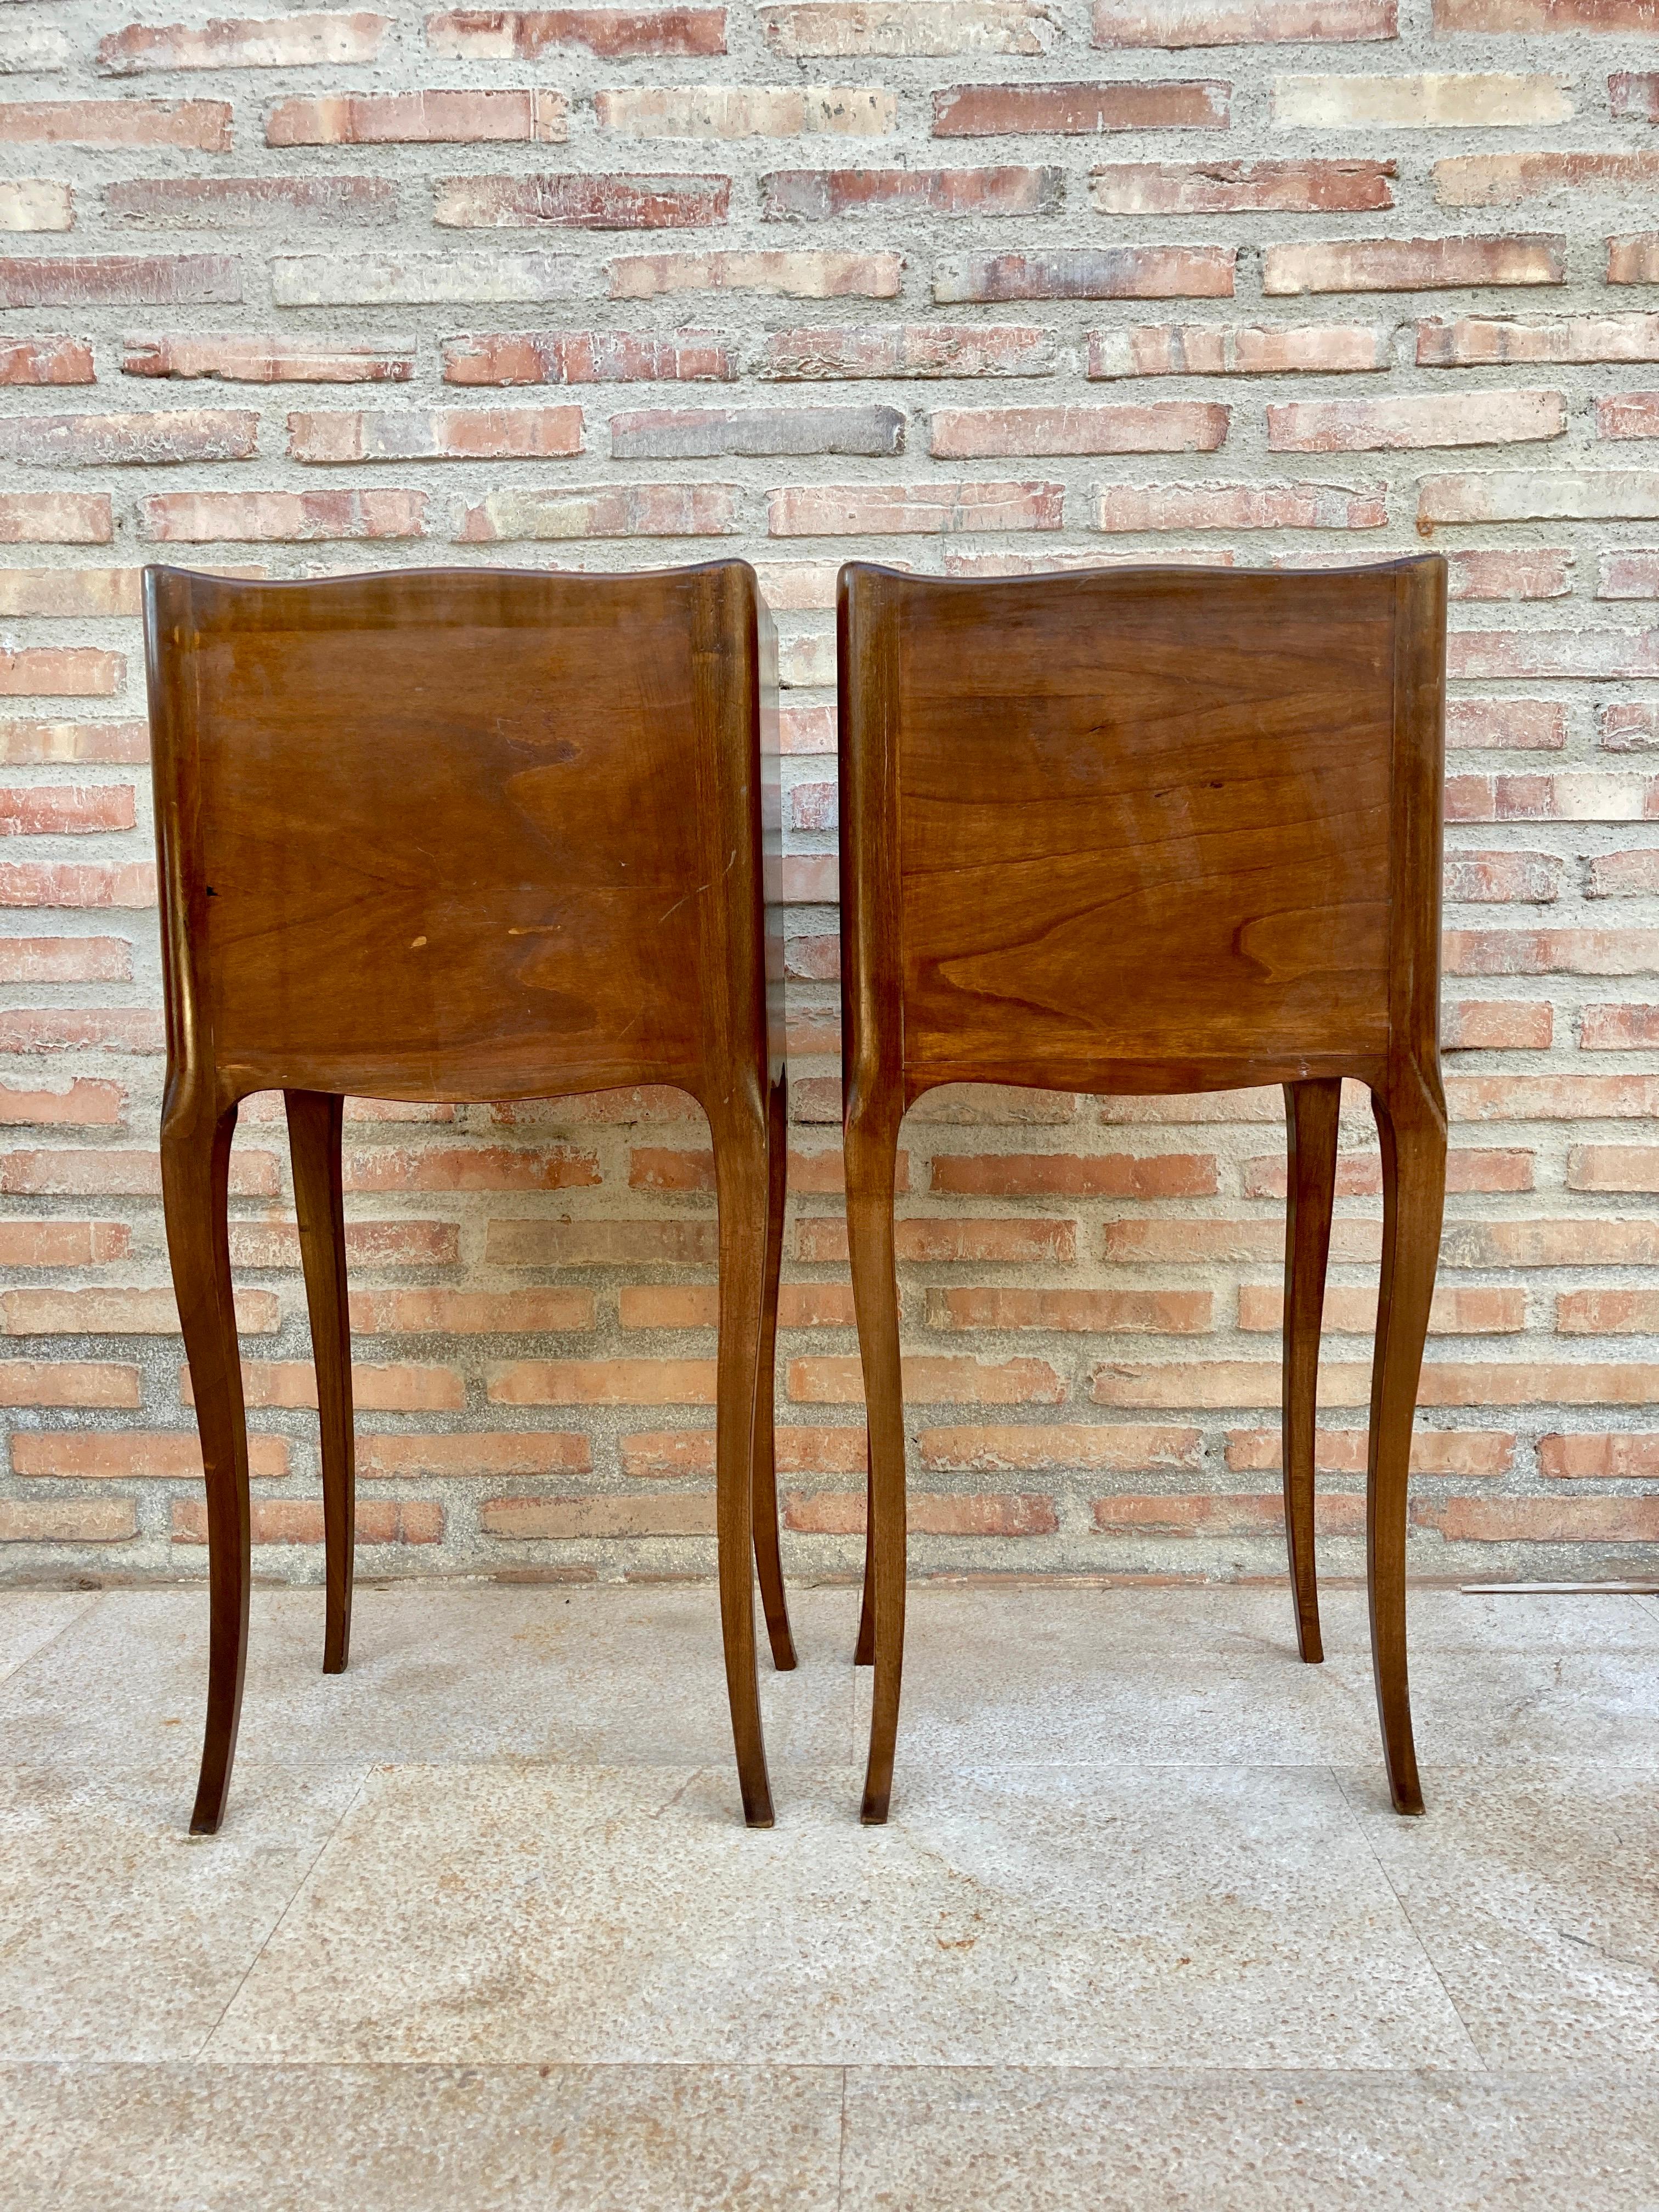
pixel 983 286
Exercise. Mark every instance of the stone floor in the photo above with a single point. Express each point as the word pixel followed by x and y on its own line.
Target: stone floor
pixel 483 1928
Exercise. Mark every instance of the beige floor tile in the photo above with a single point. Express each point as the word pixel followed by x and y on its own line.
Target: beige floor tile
pixel 1536 1891
pixel 29 1620
pixel 1126 1916
pixel 122 1935
pixel 932 2140
pixel 466 1671
pixel 419 2139
pixel 1600 1704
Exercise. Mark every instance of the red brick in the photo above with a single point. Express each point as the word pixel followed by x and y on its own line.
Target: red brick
pixel 1241 187
pixel 603 1382
pixel 946 1241
pixel 67 1382
pixel 1514 725
pixel 1302 505
pixel 473 1167
pixel 494 433
pixel 1115 1448
pixel 1531 16
pixel 665 510
pixel 661 433
pixel 69 883
pixel 1497 1025
pixel 300 1521
pixel 1483 1453
pixel 55 518
pixel 1584 1243
pixel 566 1519
pixel 829 28
pixel 614 33
pixel 988 111
pixel 1368 426
pixel 1352 1311
pixel 787 275
pixel 1619 1029
pixel 138 1175
pixel 1411 264
pixel 1628 726
pixel 1240 22
pixel 199 126
pixel 1607 1313
pixel 860 510
pixel 85 1104
pixel 824 195
pixel 46 360
pixel 1220 350
pixel 74 672
pixel 47 810
pixel 121 280
pixel 1634 260
pixel 1533 573
pixel 931 1381
pixel 204 518
pixel 65 1521
pixel 1359 1174
pixel 1477 340
pixel 1633 96
pixel 1618 1457
pixel 470 1313
pixel 301 41
pixel 71 594
pixel 65 959
pixel 292 1384
pixel 134 1455
pixel 1177 1313
pixel 1578 1521
pixel 912 349
pixel 940 1513
pixel 588 357
pixel 601 1243
pixel 1475 876
pixel 488 1454
pixel 1600 656
pixel 1090 272
pixel 72 1029
pixel 1552 951
pixel 144 439
pixel 581 202
pixel 1175 426
pixel 1623 1168
pixel 62 1243
pixel 267 360
pixel 1623 875
pixel 1210 1514
pixel 1552 1097
pixel 418 118
pixel 1106 1175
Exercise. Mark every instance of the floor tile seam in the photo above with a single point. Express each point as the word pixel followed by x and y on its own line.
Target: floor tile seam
pixel 74 1619
pixel 294 1894
pixel 1140 2076
pixel 1483 2064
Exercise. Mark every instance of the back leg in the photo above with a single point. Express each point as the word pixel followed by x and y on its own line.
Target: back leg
pixel 195 1176
pixel 768 1565
pixel 864 1653
pixel 872 1146
pixel 314 1123
pixel 1312 1111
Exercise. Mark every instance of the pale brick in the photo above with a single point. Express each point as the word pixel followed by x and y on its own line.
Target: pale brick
pixel 1506 179
pixel 1090 272
pixel 1240 22
pixel 201 126
pixel 1476 339
pixel 144 439
pixel 303 517
pixel 220 203
pixel 614 33
pixel 1302 505
pixel 419 118
pixel 1224 349
pixel 1541 496
pixel 830 29
pixel 1634 260
pixel 121 280
pixel 276 360
pixel 826 352
pixel 715 111
pixel 64 1520
pixel 575 201
pixel 668 510
pixel 826 195
pixel 858 510
pixel 36 204
pixel 325 280
pixel 1370 426
pixel 1177 426
pixel 348 434
pixel 1498 100
pixel 1411 264
pixel 1241 187
pixel 303 41
pixel 795 276
pixel 989 111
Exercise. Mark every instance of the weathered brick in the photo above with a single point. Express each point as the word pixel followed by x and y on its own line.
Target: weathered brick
pixel 47 810
pixel 1623 875
pixel 1619 1029
pixel 1497 1025
pixel 69 593
pixel 589 357
pixel 1506 179
pixel 931 1381
pixel 1515 725
pixel 419 118
pixel 1090 272
pixel 567 1519
pixel 1605 1312
pixel 1177 426
pixel 303 517
pixel 36 204
pixel 715 111
pixel 1174 1313
pixel 1531 16
pixel 1411 264
pixel 1432 102
pixel 83 1105
pixel 1222 349
pixel 1618 1457
pixel 990 111
pixel 1633 96
pixel 69 883
pixel 1241 187
pixel 577 201
pixel 66 671
pixel 827 29
pixel 824 195
pixel 842 1513
pixel 304 41
pixel 144 439
pixel 826 352
pixel 1109 1174
pixel 1206 1514
pixel 63 1244
pixel 1370 426
pixel 795 276
pixel 1474 877
pixel 278 360
pixel 1241 507
pixel 1531 573
pixel 602 1383
pixel 1577 1521
pixel 200 126
pixel 65 959
pixel 1541 495
pixel 1477 339
pixel 326 280
pixel 600 1244
pixel 1551 951
pixel 292 1384
pixel 702 433
pixel 666 510
pixel 68 1521
pixel 1596 656
pixel 68 1383
pixel 860 510
pixel 300 1521
pixel 1240 22
pixel 1633 575
pixel 121 1313
pixel 1635 259
pixel 1486 1454
pixel 1628 726
pixel 249 203
pixel 121 280
pixel 613 33
pixel 435 434
pixel 46 360
pixel 470 1313
pixel 485 1454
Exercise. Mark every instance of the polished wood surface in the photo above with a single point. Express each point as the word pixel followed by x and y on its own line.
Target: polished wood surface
pixel 465 835
pixel 1152 830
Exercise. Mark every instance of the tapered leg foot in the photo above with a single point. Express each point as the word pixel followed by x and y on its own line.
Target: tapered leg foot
pixel 1312 1113
pixel 195 1176
pixel 315 1128
pixel 1413 1130
pixel 768 1563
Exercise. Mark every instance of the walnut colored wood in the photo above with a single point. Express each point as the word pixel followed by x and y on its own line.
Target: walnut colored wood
pixel 1152 831
pixel 465 835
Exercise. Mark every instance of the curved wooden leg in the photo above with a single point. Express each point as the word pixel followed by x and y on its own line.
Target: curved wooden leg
pixel 1413 1130
pixel 1312 1111
pixel 768 1565
pixel 741 1179
pixel 314 1121
pixel 195 1175
pixel 872 1146
pixel 864 1653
